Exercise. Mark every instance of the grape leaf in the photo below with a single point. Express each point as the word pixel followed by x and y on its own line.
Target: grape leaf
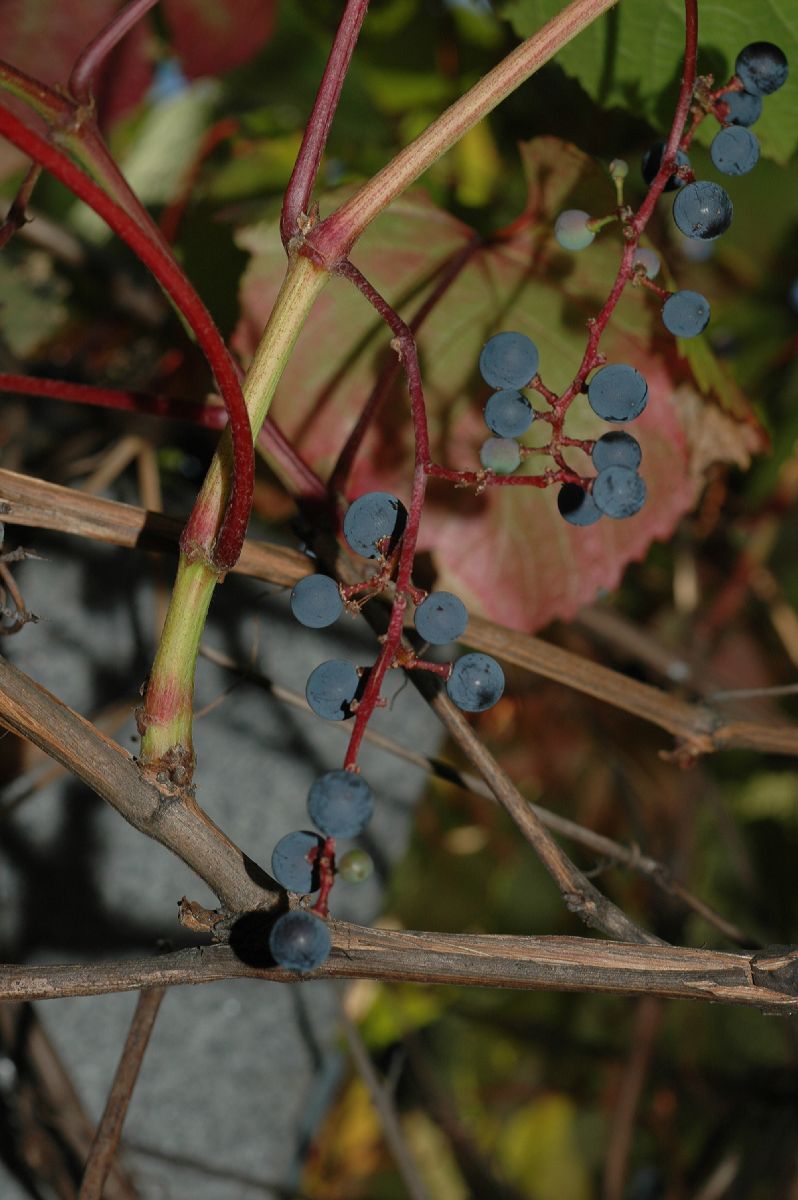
pixel 44 37
pixel 507 552
pixel 213 36
pixel 632 56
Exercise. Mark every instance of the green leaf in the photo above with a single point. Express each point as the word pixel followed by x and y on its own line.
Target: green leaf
pixel 33 307
pixel 632 56
pixel 166 144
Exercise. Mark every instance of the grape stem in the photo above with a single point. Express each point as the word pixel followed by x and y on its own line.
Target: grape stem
pixel 325 857
pixel 90 61
pixel 296 202
pixel 16 215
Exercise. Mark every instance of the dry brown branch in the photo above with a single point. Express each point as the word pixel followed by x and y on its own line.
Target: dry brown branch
pixel 51 1129
pixel 697 728
pixel 106 1140
pixel 767 980
pixel 579 894
pixel 163 812
pixel 645 1026
pixel 443 1105
pixel 385 1108
pixel 40 505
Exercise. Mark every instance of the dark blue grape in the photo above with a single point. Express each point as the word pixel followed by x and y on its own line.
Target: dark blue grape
pixel 441 618
pixel 290 863
pixel 300 941
pixel 341 803
pixel 651 161
pixel 508 414
pixel 316 601
pixel 734 150
pixel 577 506
pixel 617 393
pixel 619 492
pixel 703 210
pixel 509 360
pixel 476 682
pixel 745 108
pixel 685 314
pixel 616 449
pixel 374 524
pixel 331 688
pixel 762 67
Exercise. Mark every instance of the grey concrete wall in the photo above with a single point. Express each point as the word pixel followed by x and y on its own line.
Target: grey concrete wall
pixel 238 1074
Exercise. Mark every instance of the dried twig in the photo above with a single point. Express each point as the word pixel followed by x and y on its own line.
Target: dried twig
pixel 645 1026
pixel 386 1110
pixel 106 1140
pixel 51 1124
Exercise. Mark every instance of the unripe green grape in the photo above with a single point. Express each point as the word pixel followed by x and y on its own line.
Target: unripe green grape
pixel 356 866
pixel 500 455
pixel 619 168
pixel 571 229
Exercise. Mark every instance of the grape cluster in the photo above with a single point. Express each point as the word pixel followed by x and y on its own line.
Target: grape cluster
pixel 373 527
pixel 340 803
pixel 761 68
pixel 508 362
pixel 616 393
pixel 703 209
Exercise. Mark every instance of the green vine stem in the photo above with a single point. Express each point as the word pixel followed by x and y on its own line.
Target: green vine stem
pixel 166 716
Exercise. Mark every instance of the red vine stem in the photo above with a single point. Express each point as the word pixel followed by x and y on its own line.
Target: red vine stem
pixel 326 861
pixel 306 483
pixel 296 201
pixel 227 547
pixel 92 58
pixel 382 388
pixel 406 348
pixel 636 225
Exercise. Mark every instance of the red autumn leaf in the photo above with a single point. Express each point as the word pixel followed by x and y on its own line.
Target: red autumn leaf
pixel 507 552
pixel 213 36
pixel 44 37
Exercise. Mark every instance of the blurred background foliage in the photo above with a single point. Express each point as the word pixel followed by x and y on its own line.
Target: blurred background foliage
pixel 550 1097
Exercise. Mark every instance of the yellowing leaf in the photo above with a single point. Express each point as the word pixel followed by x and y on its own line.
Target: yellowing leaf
pixel 538 1148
